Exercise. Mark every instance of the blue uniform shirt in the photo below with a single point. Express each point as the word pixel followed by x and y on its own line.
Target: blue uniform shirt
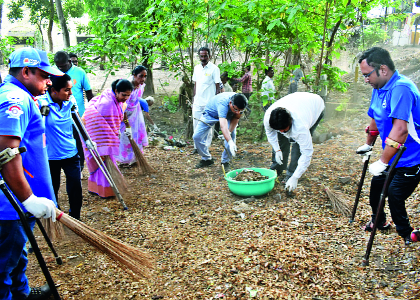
pixel 80 83
pixel 144 105
pixel 218 106
pixel 399 98
pixel 58 129
pixel 20 117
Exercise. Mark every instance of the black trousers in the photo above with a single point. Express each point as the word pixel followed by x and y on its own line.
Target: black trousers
pixel 71 167
pixel 79 146
pixel 403 184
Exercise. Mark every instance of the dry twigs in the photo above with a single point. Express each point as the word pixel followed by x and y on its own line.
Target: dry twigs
pixel 54 230
pixel 136 262
pixel 339 202
pixel 143 164
pixel 116 175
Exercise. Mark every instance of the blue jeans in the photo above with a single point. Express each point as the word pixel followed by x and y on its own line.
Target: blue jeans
pixel 403 184
pixel 13 260
pixel 201 140
pixel 71 167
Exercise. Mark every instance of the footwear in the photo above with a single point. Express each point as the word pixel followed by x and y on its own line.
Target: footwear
pixel 383 227
pixel 204 163
pixel 40 293
pixel 195 151
pixel 226 166
pixel 407 240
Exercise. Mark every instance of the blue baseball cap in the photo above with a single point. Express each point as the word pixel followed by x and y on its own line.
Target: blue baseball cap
pixel 33 58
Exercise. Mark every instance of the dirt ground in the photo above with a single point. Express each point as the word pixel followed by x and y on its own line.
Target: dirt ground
pixel 209 243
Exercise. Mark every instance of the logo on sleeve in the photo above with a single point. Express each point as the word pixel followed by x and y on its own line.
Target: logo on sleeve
pixel 15 97
pixel 14 111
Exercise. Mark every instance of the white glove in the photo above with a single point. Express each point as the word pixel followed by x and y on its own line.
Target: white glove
pixel 232 147
pixel 221 137
pixel 364 150
pixel 291 184
pixel 377 168
pixel 90 145
pixel 279 157
pixel 155 128
pixel 127 132
pixel 40 207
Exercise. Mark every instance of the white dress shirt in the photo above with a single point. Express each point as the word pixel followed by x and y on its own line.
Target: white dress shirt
pixel 205 80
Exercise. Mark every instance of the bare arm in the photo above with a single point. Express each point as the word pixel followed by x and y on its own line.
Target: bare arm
pixel 12 171
pixel 146 114
pixel 89 95
pixel 399 133
pixel 227 130
pixel 372 127
pixel 218 91
pixel 195 84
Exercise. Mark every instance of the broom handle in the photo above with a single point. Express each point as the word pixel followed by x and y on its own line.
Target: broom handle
pixel 359 188
pixel 31 238
pixel 384 193
pixel 84 134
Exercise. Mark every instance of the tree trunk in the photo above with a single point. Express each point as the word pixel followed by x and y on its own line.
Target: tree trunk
pixel 63 24
pixel 150 88
pixel 50 26
pixel 1 13
pixel 42 36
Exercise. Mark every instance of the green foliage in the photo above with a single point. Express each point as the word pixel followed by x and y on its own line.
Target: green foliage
pixel 374 34
pixel 171 103
pixel 233 68
pixel 6 48
pixel 334 78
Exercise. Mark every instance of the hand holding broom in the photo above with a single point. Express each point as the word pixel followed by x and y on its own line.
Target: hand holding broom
pixel 143 165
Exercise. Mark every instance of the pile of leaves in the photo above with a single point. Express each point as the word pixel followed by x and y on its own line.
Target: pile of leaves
pixel 249 175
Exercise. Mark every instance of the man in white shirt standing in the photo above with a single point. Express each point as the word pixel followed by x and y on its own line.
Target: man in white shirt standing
pixel 207 81
pixel 267 89
pixel 293 118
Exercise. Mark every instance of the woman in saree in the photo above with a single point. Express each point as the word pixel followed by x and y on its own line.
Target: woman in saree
pixel 103 117
pixel 135 118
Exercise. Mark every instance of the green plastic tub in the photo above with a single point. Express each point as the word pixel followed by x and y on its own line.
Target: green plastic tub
pixel 251 188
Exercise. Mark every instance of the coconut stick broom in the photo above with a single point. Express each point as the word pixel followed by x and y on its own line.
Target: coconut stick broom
pixel 131 259
pixel 143 164
pixel 339 201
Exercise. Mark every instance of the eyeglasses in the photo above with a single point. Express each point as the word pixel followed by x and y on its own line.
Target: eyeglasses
pixel 367 75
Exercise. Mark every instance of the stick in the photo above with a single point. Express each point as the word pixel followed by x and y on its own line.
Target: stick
pixel 359 188
pixel 31 238
pixel 58 259
pixel 384 193
pixel 130 258
pixel 89 144
pixel 143 164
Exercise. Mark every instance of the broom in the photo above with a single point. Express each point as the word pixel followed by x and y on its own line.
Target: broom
pixel 143 164
pixel 340 202
pixel 116 175
pixel 131 259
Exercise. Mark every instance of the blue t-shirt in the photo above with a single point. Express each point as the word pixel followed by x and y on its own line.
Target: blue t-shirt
pixel 218 106
pixel 20 117
pixel 399 98
pixel 144 105
pixel 80 83
pixel 58 129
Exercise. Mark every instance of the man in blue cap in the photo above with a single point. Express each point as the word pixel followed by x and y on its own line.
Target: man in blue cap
pixel 27 175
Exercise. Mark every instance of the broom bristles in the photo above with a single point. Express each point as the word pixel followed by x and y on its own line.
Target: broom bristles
pixel 116 175
pixel 54 230
pixel 143 164
pixel 340 202
pixel 131 259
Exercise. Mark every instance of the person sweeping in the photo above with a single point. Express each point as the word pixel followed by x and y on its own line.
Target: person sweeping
pixel 103 117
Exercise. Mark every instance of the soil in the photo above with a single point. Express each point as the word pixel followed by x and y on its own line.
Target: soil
pixel 209 243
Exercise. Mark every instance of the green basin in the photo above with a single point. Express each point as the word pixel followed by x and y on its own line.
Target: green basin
pixel 251 188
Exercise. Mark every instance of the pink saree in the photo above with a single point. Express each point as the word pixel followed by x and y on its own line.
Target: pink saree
pixel 138 128
pixel 103 117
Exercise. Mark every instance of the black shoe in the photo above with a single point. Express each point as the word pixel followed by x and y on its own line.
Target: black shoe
pixel 383 227
pixel 226 166
pixel 407 240
pixel 204 163
pixel 40 293
pixel 195 151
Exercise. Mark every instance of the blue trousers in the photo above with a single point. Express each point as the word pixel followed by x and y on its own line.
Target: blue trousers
pixel 403 184
pixel 202 142
pixel 13 260
pixel 71 167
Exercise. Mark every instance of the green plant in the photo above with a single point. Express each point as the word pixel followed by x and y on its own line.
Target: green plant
pixel 6 48
pixel 233 69
pixel 374 34
pixel 171 103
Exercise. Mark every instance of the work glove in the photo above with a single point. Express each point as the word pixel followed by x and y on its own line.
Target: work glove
pixel 91 145
pixel 365 151
pixel 40 207
pixel 232 147
pixel 291 184
pixel 377 168
pixel 155 128
pixel 279 157
pixel 221 137
pixel 127 132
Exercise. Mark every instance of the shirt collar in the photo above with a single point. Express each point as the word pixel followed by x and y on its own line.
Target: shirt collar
pixel 10 79
pixel 391 81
